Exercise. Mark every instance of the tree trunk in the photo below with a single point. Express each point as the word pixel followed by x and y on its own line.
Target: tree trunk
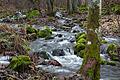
pixel 72 6
pixel 69 6
pixel 75 5
pixel 90 69
pixel 100 7
pixel 50 6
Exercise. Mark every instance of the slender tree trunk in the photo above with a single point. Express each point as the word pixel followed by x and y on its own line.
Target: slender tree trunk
pixel 90 69
pixel 69 6
pixel 100 7
pixel 72 6
pixel 50 6
pixel 75 5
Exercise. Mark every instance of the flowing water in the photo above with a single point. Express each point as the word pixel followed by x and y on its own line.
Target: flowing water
pixel 71 63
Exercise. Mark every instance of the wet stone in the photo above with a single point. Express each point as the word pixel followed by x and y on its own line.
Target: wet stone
pixel 58 52
pixel 59 35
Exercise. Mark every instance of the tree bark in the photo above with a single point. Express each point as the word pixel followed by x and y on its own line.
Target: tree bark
pixel 90 68
pixel 50 6
pixel 72 6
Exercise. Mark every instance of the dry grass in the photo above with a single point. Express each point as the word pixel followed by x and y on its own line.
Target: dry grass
pixel 7 29
pixel 15 38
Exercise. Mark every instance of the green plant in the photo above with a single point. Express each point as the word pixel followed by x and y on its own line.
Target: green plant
pixel 19 63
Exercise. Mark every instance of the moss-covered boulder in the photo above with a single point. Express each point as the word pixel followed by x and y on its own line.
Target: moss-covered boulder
pixel 103 41
pixel 81 35
pixel 44 33
pixel 112 63
pixel 80 44
pixel 32 13
pixel 112 51
pixel 19 63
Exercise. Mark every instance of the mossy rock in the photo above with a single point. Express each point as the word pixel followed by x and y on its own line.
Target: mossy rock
pixel 44 33
pixel 32 13
pixel 104 42
pixel 111 47
pixel 19 63
pixel 81 35
pixel 114 58
pixel 82 40
pixel 79 47
pixel 112 52
pixel 81 53
pixel 112 63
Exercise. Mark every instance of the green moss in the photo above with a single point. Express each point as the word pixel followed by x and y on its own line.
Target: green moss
pixel 111 63
pixel 112 52
pixel 92 54
pixel 90 73
pixel 30 30
pixel 104 42
pixel 44 33
pixel 111 47
pixel 114 58
pixel 82 40
pixel 80 35
pixel 81 53
pixel 19 63
pixel 79 47
pixel 33 13
pixel 83 8
pixel 103 62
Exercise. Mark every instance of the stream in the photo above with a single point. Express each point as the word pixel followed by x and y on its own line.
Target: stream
pixel 70 62
pixel 60 48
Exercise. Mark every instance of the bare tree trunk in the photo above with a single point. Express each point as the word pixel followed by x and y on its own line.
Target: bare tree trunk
pixel 69 6
pixel 75 5
pixel 90 69
pixel 100 7
pixel 50 6
pixel 72 6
